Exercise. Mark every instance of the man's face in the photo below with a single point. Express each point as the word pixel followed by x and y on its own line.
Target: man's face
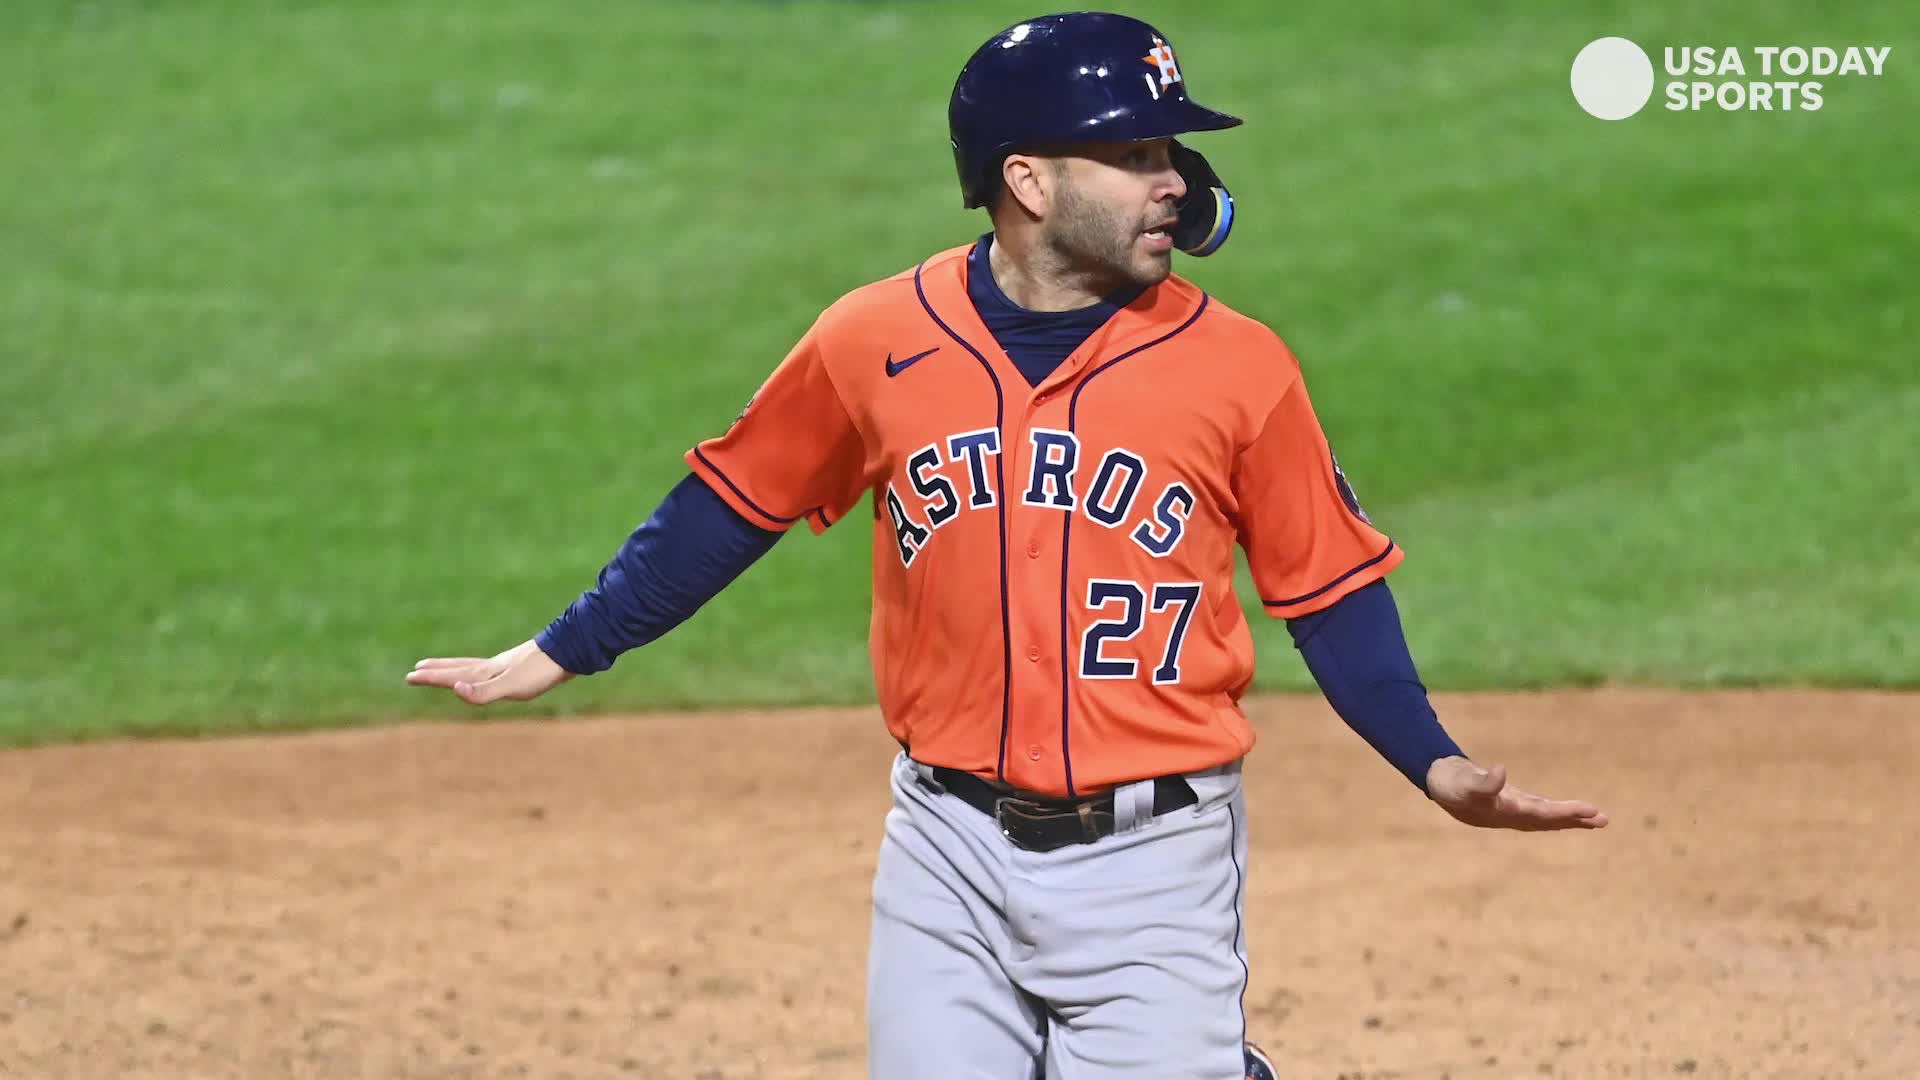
pixel 1113 211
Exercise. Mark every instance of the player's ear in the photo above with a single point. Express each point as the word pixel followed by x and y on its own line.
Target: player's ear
pixel 1028 182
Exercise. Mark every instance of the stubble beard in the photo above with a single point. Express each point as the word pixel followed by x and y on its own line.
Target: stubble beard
pixel 1094 241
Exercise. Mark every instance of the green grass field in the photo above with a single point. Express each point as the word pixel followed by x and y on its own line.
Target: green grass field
pixel 339 336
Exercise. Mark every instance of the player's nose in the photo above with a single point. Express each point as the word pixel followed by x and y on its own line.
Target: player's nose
pixel 1169 185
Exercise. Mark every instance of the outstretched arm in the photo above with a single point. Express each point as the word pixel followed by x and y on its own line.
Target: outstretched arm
pixel 691 547
pixel 1358 654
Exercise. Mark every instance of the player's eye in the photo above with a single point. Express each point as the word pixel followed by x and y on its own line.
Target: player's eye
pixel 1145 157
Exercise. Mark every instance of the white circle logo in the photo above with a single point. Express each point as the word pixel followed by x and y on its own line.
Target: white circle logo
pixel 1612 78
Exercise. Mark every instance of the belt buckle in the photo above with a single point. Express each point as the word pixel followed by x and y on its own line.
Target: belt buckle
pixel 1000 818
pixel 1021 830
pixel 1033 836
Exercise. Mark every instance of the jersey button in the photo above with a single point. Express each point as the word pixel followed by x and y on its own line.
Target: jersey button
pixel 1033 550
pixel 1033 653
pixel 1033 752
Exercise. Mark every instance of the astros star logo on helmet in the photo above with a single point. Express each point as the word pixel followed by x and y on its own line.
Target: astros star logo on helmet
pixel 1162 57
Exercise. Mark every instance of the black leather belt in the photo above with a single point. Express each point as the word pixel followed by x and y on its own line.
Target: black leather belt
pixel 1037 823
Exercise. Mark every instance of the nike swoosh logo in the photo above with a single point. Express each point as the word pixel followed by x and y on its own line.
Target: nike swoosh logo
pixel 895 369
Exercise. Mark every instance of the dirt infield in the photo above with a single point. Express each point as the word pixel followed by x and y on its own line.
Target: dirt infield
pixel 685 897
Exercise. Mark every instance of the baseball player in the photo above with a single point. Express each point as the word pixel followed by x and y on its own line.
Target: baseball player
pixel 1063 443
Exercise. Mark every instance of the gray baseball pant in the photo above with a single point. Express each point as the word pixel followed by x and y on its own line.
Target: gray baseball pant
pixel 1123 959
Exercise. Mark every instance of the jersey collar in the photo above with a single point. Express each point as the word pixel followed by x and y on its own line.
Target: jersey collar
pixel 1154 313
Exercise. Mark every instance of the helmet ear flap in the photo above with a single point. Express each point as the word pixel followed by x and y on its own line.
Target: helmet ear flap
pixel 1206 213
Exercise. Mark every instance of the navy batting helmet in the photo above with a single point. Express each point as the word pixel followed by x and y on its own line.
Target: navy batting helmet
pixel 1084 76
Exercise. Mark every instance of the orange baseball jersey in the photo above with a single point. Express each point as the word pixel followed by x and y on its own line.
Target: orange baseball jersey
pixel 1053 566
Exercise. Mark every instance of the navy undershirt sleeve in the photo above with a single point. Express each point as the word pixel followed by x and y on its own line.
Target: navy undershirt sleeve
pixel 1358 654
pixel 693 546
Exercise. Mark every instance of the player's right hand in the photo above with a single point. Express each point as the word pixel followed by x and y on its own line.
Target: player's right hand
pixel 522 673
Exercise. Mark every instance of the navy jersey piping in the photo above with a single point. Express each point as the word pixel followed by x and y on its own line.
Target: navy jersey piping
pixel 1066 540
pixel 1000 480
pixel 754 506
pixel 1384 552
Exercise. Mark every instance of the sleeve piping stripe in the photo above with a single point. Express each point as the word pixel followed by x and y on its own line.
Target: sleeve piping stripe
pixel 1384 552
pixel 742 496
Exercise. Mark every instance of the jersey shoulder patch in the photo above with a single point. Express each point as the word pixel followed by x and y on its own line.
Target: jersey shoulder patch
pixel 1346 489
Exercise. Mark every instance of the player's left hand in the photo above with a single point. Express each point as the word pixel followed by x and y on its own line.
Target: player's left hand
pixel 1483 797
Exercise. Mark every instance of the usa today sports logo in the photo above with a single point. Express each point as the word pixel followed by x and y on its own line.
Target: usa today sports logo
pixel 1613 78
